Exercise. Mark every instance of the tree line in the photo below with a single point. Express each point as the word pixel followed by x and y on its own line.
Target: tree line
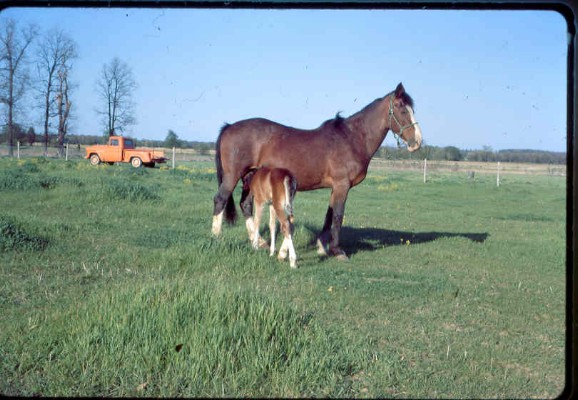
pixel 35 70
pixel 486 154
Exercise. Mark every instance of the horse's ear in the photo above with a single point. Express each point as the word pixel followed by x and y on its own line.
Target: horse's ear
pixel 399 90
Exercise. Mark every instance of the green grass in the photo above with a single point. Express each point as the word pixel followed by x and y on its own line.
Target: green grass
pixel 110 285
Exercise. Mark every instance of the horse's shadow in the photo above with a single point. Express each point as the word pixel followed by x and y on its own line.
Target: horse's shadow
pixel 353 240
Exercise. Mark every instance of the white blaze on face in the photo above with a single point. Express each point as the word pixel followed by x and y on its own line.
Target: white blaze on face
pixel 417 132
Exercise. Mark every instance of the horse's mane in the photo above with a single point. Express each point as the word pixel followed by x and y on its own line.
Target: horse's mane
pixel 336 122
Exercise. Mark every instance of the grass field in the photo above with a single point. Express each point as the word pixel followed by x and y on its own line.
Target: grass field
pixel 110 285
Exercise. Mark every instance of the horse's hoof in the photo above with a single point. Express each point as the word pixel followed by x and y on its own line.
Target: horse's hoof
pixel 339 254
pixel 321 248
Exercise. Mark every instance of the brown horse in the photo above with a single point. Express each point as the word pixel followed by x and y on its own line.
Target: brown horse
pixel 276 186
pixel 336 155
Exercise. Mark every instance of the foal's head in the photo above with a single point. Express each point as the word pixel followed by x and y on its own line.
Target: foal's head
pixel 401 119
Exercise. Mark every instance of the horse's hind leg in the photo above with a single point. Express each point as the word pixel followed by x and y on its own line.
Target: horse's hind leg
pixel 223 201
pixel 220 201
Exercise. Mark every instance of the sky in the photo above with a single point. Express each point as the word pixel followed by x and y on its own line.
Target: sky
pixel 478 78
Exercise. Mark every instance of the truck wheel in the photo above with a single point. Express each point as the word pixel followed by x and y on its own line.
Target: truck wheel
pixel 136 162
pixel 94 159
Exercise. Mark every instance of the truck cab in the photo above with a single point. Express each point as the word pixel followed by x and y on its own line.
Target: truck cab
pixel 121 149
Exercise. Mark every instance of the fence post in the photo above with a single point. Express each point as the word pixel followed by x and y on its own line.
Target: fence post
pixel 66 153
pixel 18 149
pixel 424 170
pixel 173 158
pixel 498 176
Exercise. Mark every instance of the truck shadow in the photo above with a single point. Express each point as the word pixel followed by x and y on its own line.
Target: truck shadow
pixel 353 240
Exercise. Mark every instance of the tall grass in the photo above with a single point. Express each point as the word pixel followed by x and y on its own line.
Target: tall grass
pixel 182 339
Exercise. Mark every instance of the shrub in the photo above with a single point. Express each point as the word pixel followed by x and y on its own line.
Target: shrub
pixel 13 237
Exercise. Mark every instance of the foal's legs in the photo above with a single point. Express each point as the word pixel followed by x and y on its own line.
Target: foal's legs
pixel 258 211
pixel 272 228
pixel 246 205
pixel 287 230
pixel 247 209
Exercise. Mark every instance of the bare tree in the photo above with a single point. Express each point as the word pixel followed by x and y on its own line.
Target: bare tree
pixel 13 72
pixel 115 88
pixel 63 107
pixel 55 55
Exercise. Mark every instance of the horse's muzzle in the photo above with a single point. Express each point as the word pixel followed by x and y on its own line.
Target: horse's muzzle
pixel 415 144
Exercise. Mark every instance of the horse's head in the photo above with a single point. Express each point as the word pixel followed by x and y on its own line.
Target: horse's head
pixel 401 119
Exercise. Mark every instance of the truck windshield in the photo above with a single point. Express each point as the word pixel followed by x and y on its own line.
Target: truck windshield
pixel 128 144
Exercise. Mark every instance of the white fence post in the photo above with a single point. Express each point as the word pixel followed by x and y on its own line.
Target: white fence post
pixel 424 170
pixel 173 158
pixel 18 149
pixel 498 176
pixel 66 157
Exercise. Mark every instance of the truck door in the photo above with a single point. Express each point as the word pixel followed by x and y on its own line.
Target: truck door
pixel 115 150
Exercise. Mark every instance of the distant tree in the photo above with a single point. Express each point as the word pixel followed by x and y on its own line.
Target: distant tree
pixel 115 88
pixel 18 132
pixel 205 148
pixel 172 140
pixel 14 77
pixel 56 52
pixel 31 136
pixel 485 155
pixel 452 153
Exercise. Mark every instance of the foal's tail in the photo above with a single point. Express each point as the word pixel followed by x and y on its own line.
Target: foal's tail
pixel 230 211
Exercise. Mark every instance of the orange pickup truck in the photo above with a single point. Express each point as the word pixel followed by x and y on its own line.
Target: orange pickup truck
pixel 121 149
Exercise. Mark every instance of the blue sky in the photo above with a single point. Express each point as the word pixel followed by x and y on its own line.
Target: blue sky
pixel 478 78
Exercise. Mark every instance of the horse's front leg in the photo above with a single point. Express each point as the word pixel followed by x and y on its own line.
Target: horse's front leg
pixel 325 234
pixel 333 222
pixel 339 198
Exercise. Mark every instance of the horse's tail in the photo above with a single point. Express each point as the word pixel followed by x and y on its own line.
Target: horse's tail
pixel 230 211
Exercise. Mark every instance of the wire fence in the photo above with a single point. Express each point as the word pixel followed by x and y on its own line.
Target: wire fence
pixel 471 167
pixel 427 167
